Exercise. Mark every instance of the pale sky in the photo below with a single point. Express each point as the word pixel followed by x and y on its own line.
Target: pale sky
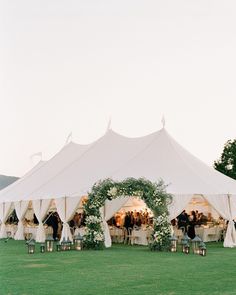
pixel 67 66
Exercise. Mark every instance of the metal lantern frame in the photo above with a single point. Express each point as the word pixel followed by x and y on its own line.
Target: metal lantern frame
pixel 185 241
pixel 186 248
pixel 49 244
pixel 173 243
pixel 68 244
pixel 203 250
pixel 63 245
pixel 58 246
pixel 196 244
pixel 78 242
pixel 31 247
pixel 42 248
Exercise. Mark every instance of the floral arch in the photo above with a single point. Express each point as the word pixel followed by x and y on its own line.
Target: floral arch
pixel 152 193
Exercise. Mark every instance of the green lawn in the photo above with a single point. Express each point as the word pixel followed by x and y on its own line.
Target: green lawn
pixel 118 270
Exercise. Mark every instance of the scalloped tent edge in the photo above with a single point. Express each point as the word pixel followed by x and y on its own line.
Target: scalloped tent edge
pixel 74 170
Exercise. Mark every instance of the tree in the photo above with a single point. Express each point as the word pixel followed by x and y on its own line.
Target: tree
pixel 227 162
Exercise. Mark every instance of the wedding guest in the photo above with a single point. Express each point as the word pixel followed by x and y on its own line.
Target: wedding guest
pixel 127 222
pixel 183 221
pixel 53 222
pixel 138 220
pixel 192 223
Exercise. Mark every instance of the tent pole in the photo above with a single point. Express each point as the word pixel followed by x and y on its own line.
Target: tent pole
pixel 65 207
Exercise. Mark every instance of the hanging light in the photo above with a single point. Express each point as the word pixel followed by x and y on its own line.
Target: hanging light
pixel 173 243
pixel 195 243
pixel 42 248
pixel 49 244
pixel 78 242
pixel 31 247
pixel 202 247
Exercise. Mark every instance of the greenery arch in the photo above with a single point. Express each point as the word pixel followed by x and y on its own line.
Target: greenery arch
pixel 153 194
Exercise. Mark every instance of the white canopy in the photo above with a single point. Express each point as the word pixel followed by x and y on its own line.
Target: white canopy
pixel 42 173
pixel 74 170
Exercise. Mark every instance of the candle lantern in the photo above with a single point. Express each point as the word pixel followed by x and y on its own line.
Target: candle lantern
pixel 185 241
pixel 8 235
pixel 49 244
pixel 63 245
pixel 42 248
pixel 173 243
pixel 202 247
pixel 58 246
pixel 68 244
pixel 195 244
pixel 186 248
pixel 31 247
pixel 78 242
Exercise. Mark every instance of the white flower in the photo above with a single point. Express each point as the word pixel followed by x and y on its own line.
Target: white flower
pixel 112 192
pixel 93 219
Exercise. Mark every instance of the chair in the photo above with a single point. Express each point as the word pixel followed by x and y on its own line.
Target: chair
pixel 128 237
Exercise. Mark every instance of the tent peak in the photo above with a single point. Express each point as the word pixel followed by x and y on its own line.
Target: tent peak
pixel 163 122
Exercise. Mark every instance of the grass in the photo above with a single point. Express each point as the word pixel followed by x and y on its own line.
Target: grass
pixel 119 270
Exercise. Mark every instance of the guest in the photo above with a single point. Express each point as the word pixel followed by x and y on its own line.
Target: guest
pixel 53 222
pixel 183 221
pixel 127 222
pixel 138 220
pixel 192 223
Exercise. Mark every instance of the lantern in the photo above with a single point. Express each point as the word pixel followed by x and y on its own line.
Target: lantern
pixel 42 248
pixel 63 245
pixel 58 247
pixel 186 248
pixel 31 247
pixel 49 244
pixel 173 244
pixel 202 249
pixel 8 235
pixel 68 244
pixel 196 243
pixel 185 241
pixel 78 242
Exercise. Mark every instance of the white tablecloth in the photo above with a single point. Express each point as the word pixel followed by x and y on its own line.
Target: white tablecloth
pixel 117 234
pixel 28 230
pixel 140 237
pixel 211 234
pixel 80 231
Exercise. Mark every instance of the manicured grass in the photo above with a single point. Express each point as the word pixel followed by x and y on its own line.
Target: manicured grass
pixel 118 270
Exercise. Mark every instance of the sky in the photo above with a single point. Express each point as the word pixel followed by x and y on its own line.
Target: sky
pixel 69 66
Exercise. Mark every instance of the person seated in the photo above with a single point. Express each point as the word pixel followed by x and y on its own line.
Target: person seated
pixel 202 220
pixel 209 217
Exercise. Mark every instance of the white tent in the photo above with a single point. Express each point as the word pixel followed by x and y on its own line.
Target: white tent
pixel 153 156
pixel 34 179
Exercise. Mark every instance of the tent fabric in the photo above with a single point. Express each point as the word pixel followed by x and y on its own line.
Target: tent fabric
pixel 43 173
pixel 154 156
pixel 15 184
pixel 40 209
pixel 66 208
pixel 73 171
pixel 222 205
pixel 177 206
pixel 20 207
pixel 5 210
